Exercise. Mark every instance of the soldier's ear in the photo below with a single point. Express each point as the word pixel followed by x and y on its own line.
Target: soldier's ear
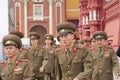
pixel 73 36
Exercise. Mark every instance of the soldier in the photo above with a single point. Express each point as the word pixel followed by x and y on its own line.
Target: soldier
pixel 12 68
pixel 72 59
pixel 104 59
pixel 34 55
pixel 17 33
pixel 48 58
pixel 92 44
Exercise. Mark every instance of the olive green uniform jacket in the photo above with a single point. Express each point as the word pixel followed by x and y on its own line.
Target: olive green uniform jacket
pixel 104 63
pixel 48 61
pixel 16 70
pixel 35 57
pixel 74 66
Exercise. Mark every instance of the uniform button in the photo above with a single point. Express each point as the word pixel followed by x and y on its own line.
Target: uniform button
pixel 100 71
pixel 69 78
pixel 68 71
pixel 100 66
pixel 9 75
pixel 68 66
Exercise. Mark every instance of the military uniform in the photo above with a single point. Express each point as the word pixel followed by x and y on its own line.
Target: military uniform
pixel 34 56
pixel 104 60
pixel 17 33
pixel 15 69
pixel 72 61
pixel 48 59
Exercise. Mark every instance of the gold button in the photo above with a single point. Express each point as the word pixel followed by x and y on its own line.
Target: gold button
pixel 100 71
pixel 9 75
pixel 100 66
pixel 68 66
pixel 69 78
pixel 68 71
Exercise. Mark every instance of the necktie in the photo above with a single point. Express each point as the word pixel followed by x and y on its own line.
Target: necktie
pixel 68 53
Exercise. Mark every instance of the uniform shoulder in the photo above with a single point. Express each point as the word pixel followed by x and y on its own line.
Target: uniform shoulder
pixel 58 49
pixel 80 47
pixel 23 49
pixel 22 60
pixel 3 63
pixel 108 47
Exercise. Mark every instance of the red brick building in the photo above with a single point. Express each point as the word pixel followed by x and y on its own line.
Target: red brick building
pixel 37 15
pixel 100 15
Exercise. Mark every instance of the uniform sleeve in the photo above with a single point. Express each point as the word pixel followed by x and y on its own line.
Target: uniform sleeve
pixel 23 54
pixel 1 66
pixel 28 73
pixel 87 64
pixel 44 62
pixel 115 62
pixel 58 72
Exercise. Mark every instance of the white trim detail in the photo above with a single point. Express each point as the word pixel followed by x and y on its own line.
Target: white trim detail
pixel 83 20
pixel 94 14
pixel 58 5
pixel 20 18
pixel 90 15
pixel 86 19
pixel 38 12
pixel 25 18
pixel 38 0
pixel 17 4
pixel 50 17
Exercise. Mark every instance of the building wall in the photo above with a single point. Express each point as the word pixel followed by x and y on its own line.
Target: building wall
pixel 54 12
pixel 102 15
pixel 112 25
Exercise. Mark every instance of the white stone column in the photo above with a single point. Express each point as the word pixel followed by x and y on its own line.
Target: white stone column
pixel 25 18
pixel 50 16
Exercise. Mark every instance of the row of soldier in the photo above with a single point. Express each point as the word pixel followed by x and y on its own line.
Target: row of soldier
pixel 71 60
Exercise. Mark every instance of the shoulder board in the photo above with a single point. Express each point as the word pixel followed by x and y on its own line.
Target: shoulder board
pixel 2 62
pixel 58 49
pixel 108 47
pixel 54 46
pixel 78 47
pixel 91 49
pixel 22 49
pixel 23 60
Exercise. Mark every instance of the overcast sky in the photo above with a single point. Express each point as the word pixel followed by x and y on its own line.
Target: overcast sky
pixel 3 18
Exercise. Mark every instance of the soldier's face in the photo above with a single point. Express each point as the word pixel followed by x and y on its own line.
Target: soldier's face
pixel 10 51
pixel 48 41
pixel 93 43
pixel 100 42
pixel 67 39
pixel 34 42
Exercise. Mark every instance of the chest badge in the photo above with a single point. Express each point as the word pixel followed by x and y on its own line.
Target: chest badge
pixel 18 68
pixel 75 57
pixel 106 55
